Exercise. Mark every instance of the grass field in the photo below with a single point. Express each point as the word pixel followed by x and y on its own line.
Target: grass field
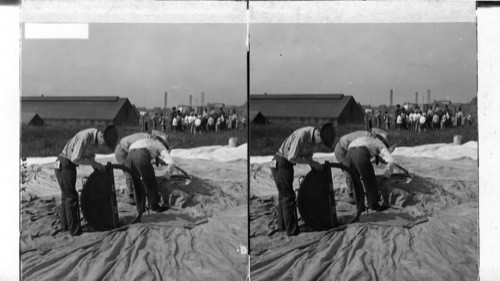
pixel 50 140
pixel 266 139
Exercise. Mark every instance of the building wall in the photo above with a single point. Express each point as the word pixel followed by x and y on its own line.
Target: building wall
pixel 124 118
pixel 35 121
pixel 127 116
pixel 259 119
pixel 351 114
pixel 79 122
pixel 346 110
pixel 300 120
pixel 86 113
pixel 92 123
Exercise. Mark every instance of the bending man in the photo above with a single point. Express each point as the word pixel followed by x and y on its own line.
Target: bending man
pixel 139 159
pixel 296 149
pixel 358 158
pixel 122 150
pixel 343 145
pixel 80 150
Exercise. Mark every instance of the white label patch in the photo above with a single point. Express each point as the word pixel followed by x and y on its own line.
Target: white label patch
pixel 56 31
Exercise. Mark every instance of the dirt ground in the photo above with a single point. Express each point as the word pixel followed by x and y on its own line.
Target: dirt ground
pixel 430 232
pixel 203 236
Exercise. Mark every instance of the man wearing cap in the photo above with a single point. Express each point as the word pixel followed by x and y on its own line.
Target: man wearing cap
pixel 122 150
pixel 359 155
pixel 79 151
pixel 141 153
pixel 296 149
pixel 343 145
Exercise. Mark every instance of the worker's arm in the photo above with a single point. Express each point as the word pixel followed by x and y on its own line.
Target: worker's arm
pixel 166 158
pixel 310 162
pixel 82 154
pixel 81 158
pixel 97 166
pixel 387 158
pixel 77 151
pixel 294 157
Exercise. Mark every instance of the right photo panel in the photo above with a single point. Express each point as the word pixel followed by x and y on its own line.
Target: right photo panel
pixel 363 141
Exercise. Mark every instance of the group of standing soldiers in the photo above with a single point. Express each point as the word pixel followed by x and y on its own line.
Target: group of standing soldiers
pixel 434 118
pixel 209 121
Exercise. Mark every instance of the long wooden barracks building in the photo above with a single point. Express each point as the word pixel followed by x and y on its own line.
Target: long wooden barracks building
pixel 337 108
pixel 90 110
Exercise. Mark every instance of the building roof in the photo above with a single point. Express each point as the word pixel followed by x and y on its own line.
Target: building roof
pixel 297 97
pixel 473 101
pixel 300 105
pixel 73 98
pixel 253 114
pixel 74 107
pixel 27 117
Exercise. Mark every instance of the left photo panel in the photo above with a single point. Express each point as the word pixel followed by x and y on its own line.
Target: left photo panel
pixel 134 151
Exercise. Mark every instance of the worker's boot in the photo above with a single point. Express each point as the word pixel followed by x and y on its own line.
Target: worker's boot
pixel 154 203
pixel 160 208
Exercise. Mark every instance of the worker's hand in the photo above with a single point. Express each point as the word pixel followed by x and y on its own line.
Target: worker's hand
pixel 381 160
pixel 387 174
pixel 160 162
pixel 315 165
pixel 169 172
pixel 167 175
pixel 392 148
pixel 98 166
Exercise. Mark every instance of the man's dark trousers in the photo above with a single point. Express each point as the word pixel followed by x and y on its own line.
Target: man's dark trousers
pixel 70 213
pixel 358 160
pixel 139 160
pixel 287 210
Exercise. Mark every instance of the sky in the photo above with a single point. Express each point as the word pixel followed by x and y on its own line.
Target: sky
pixel 141 62
pixel 366 60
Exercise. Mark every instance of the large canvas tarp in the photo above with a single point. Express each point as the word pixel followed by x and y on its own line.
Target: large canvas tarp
pixel 202 237
pixel 430 233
